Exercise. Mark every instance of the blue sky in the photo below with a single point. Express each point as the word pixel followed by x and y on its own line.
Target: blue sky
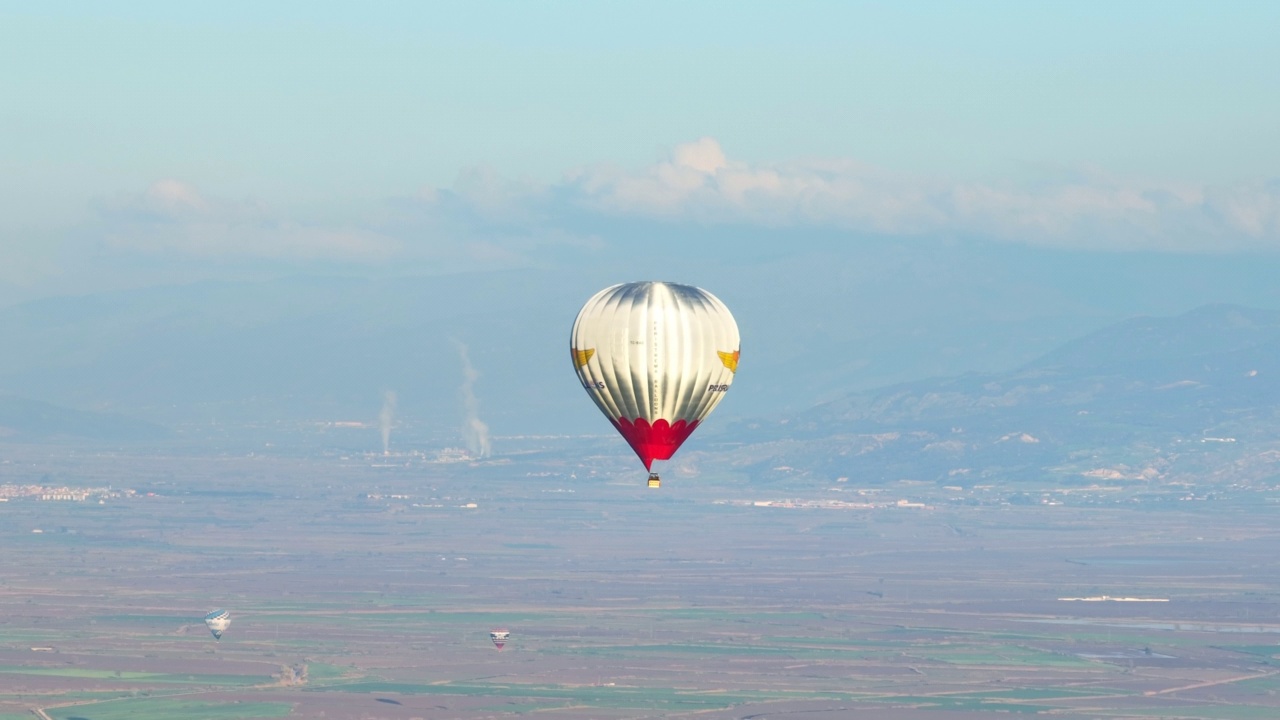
pixel 234 138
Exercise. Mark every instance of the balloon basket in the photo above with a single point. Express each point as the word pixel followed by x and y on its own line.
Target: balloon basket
pixel 654 481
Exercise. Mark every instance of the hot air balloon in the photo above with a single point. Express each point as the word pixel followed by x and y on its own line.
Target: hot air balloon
pixel 217 622
pixel 656 358
pixel 499 638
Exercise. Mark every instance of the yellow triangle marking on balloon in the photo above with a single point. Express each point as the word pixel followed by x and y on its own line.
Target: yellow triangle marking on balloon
pixel 581 357
pixel 730 360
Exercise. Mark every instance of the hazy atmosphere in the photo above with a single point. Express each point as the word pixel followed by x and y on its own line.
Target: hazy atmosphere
pixel 289 287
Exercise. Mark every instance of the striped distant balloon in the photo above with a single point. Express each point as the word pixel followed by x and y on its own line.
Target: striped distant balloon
pixel 500 638
pixel 656 358
pixel 217 622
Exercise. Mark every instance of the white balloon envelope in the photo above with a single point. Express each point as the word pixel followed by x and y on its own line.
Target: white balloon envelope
pixel 217 622
pixel 656 358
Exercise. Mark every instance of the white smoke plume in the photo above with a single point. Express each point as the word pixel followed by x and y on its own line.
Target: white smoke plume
pixel 474 432
pixel 384 419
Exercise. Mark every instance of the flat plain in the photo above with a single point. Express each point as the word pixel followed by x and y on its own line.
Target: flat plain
pixel 365 586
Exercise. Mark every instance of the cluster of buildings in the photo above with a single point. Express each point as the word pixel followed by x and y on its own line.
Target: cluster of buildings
pixel 54 493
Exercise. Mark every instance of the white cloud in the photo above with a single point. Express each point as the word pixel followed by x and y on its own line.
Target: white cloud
pixel 700 184
pixel 485 220
pixel 173 216
pixel 495 198
pixel 1253 210
pixel 704 156
pixel 175 195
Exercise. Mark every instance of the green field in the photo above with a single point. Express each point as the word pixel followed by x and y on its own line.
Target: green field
pixel 144 678
pixel 590 695
pixel 1199 712
pixel 165 709
pixel 1267 651
pixel 960 702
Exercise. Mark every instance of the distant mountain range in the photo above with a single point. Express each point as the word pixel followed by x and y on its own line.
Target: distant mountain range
pixel 1146 398
pixel 26 420
pixel 328 348
pixel 823 322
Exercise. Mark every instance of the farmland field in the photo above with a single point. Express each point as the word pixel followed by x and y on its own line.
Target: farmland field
pixel 359 592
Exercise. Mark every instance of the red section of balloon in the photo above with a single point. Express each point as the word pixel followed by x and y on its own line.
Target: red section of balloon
pixel 654 442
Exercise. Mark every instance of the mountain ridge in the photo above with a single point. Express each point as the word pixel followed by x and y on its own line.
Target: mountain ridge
pixel 1142 399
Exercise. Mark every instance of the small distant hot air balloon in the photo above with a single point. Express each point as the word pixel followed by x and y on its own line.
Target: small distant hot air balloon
pixel 499 638
pixel 217 622
pixel 656 358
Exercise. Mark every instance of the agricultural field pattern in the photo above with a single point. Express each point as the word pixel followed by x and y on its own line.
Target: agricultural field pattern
pixel 365 586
